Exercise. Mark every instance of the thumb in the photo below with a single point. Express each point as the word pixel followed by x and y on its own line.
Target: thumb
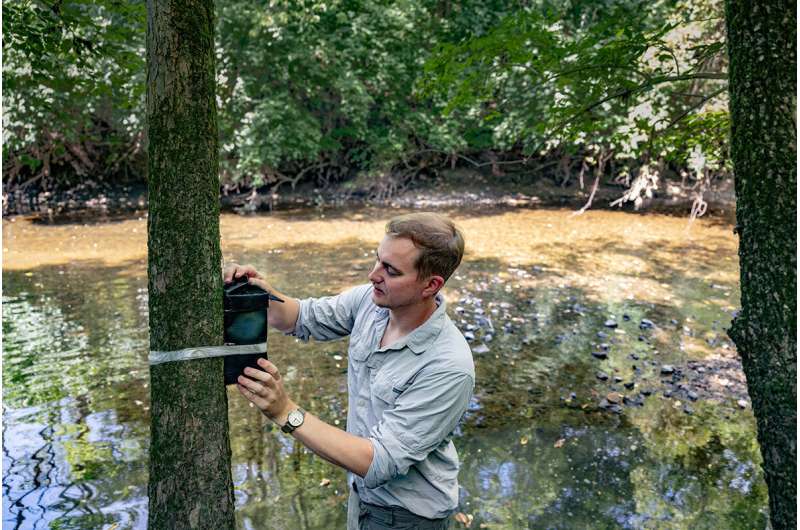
pixel 258 282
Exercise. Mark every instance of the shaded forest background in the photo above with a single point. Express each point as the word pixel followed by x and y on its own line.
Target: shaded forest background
pixel 366 97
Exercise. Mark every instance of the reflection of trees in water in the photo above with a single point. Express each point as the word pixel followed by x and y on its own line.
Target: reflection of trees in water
pixel 67 351
pixel 661 467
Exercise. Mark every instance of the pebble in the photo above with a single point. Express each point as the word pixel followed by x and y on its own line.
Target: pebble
pixel 634 357
pixel 692 395
pixel 481 348
pixel 488 337
pixel 629 385
pixel 646 324
pixel 602 376
pixel 469 335
pixel 688 410
pixel 610 323
pixel 614 397
pixel 600 355
pixel 667 369
pixel 617 379
pixel 742 403
pixel 602 334
pixel 626 317
pixel 604 346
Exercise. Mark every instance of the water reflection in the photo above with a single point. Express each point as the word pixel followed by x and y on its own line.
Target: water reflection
pixel 546 443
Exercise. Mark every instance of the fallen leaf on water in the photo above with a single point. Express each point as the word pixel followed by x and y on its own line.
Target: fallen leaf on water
pixel 523 440
pixel 465 519
pixel 559 443
pixel 325 482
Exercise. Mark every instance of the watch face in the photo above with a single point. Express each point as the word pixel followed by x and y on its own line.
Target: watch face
pixel 295 418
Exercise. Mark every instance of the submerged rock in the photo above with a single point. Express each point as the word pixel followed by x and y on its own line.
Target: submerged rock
pixel 481 348
pixel 610 323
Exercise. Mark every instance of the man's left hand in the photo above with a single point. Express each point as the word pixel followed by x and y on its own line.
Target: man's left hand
pixel 264 388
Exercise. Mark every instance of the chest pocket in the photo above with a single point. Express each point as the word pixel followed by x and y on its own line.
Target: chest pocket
pixel 388 387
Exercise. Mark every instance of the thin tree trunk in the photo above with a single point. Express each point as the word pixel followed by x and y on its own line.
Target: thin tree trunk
pixel 190 477
pixel 763 83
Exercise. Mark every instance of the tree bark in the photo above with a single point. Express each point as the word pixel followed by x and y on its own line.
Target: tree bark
pixel 761 46
pixel 190 475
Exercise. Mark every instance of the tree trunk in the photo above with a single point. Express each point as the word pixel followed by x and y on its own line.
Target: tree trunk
pixel 190 473
pixel 763 83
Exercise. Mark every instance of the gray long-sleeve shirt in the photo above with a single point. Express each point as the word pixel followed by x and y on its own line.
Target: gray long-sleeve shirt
pixel 406 398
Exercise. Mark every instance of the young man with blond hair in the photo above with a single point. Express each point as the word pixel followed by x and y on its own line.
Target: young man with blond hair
pixel 410 377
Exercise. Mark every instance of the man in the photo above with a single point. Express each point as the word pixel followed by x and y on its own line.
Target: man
pixel 410 377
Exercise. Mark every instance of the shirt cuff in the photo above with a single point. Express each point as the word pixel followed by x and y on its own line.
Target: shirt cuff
pixel 300 331
pixel 380 469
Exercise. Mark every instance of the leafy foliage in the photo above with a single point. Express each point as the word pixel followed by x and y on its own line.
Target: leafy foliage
pixel 643 80
pixel 73 77
pixel 355 90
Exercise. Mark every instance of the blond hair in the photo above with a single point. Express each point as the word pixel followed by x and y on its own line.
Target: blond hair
pixel 440 242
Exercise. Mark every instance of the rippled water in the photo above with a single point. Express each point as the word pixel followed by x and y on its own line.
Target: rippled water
pixel 545 444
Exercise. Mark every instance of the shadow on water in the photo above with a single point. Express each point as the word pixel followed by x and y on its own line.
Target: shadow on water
pixel 547 442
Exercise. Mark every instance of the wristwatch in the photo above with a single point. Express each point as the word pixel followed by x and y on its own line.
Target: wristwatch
pixel 294 420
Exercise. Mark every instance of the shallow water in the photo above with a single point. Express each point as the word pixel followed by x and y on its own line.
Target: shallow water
pixel 545 444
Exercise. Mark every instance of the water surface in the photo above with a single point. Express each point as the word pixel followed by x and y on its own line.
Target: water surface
pixel 658 434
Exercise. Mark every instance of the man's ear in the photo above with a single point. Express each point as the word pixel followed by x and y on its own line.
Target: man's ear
pixel 435 283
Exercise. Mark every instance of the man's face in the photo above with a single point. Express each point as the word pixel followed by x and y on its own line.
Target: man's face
pixel 394 277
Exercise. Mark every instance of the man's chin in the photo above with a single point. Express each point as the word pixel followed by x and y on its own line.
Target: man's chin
pixel 379 300
pixel 379 297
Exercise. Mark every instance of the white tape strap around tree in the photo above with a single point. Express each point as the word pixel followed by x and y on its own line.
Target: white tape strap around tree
pixel 204 352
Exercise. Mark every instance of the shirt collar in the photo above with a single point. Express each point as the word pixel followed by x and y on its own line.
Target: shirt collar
pixel 422 337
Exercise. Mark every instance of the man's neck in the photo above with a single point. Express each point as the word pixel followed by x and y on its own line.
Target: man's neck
pixel 406 319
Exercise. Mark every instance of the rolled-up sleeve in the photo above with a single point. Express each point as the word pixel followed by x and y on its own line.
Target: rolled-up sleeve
pixel 423 415
pixel 329 317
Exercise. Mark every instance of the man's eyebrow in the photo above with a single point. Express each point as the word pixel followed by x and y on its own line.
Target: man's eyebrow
pixel 386 263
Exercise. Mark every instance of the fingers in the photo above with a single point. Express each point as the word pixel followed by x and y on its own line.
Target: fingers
pixel 270 368
pixel 227 274
pixel 261 283
pixel 234 270
pixel 261 377
pixel 251 396
pixel 250 383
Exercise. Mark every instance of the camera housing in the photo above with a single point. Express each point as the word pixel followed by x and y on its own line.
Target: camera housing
pixel 245 320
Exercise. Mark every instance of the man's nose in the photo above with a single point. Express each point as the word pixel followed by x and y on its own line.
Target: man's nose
pixel 373 274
